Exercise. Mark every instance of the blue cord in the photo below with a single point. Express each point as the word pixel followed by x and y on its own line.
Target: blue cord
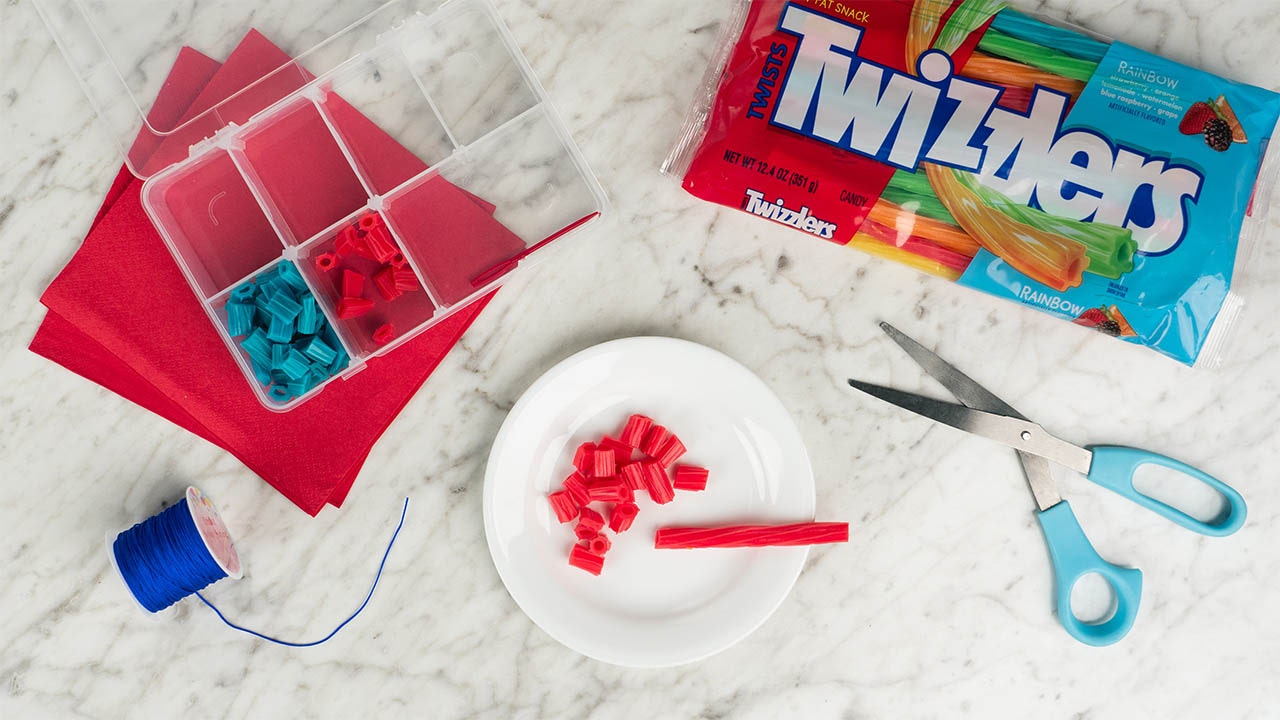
pixel 163 559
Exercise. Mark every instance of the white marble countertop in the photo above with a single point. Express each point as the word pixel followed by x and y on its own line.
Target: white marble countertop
pixel 938 607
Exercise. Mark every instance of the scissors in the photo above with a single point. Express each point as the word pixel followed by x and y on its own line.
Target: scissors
pixel 1112 467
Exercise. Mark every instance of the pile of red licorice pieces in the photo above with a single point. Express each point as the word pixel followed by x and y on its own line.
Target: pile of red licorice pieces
pixel 608 473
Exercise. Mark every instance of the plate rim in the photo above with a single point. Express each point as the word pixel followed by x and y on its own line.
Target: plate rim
pixel 552 374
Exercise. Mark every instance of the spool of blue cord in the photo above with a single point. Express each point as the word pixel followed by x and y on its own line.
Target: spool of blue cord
pixel 185 548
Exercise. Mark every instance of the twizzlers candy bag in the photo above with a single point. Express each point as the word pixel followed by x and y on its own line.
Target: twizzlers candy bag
pixel 1033 161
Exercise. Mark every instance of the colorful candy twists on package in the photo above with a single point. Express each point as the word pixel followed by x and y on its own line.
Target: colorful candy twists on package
pixel 1036 162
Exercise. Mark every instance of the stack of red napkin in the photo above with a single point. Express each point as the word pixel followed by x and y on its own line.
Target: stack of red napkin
pixel 122 315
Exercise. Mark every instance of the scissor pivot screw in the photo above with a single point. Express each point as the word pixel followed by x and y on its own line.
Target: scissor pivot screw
pixel 1026 435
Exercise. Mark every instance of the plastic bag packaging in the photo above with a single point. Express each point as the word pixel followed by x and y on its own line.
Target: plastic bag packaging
pixel 1019 156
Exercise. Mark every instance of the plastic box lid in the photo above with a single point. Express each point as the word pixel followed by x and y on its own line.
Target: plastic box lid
pixel 417 116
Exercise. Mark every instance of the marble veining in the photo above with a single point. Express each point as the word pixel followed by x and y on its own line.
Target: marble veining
pixel 938 607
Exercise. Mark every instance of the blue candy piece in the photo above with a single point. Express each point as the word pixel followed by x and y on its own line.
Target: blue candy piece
pixel 263 375
pixel 280 329
pixel 318 376
pixel 244 293
pixel 240 318
pixel 295 366
pixel 299 388
pixel 318 350
pixel 292 277
pixel 279 393
pixel 340 362
pixel 283 306
pixel 309 317
pixel 278 353
pixel 258 347
pixel 269 284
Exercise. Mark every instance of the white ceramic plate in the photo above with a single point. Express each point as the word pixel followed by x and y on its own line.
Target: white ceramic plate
pixel 649 608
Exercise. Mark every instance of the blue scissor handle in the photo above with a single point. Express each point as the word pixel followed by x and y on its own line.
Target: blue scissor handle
pixel 1113 468
pixel 1073 558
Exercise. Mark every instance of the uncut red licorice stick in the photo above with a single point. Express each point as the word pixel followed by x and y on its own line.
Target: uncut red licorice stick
pixel 690 538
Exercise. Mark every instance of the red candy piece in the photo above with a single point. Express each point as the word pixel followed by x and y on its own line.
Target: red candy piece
pixel 399 260
pixel 582 458
pixel 690 477
pixel 369 221
pixel 353 307
pixel 352 284
pixel 385 280
pixel 669 451
pixel 576 485
pixel 380 244
pixel 602 463
pixel 563 505
pixel 657 483
pixel 589 523
pixel 622 515
pixel 812 533
pixel 348 242
pixel 581 557
pixel 384 334
pixel 405 279
pixel 611 490
pixel 326 261
pixel 599 545
pixel 635 430
pixel 653 441
pixel 621 451
pixel 633 475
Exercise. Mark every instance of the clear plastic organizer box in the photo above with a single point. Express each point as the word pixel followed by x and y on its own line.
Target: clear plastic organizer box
pixel 419 122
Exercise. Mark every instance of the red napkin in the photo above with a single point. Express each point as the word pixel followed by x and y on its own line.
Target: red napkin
pixel 122 315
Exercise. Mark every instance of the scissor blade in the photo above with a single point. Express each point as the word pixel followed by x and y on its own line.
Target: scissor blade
pixel 1018 434
pixel 962 386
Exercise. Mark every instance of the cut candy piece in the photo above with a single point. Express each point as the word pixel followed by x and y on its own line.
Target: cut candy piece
pixel 621 451
pixel 669 451
pixel 348 243
pixel 283 306
pixel 326 261
pixel 653 441
pixel 582 458
pixel 398 260
pixel 564 506
pixel 349 308
pixel 602 463
pixel 405 279
pixel 690 477
pixel 380 244
pixel 811 533
pixel 622 515
pixel 576 486
pixel 279 329
pixel 352 284
pixel 657 483
pixel 295 366
pixel 633 475
pixel 611 490
pixel 369 221
pixel 309 319
pixel 239 318
pixel 636 429
pixel 385 279
pixel 318 350
pixel 384 334
pixel 580 557
pixel 589 523
pixel 599 545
